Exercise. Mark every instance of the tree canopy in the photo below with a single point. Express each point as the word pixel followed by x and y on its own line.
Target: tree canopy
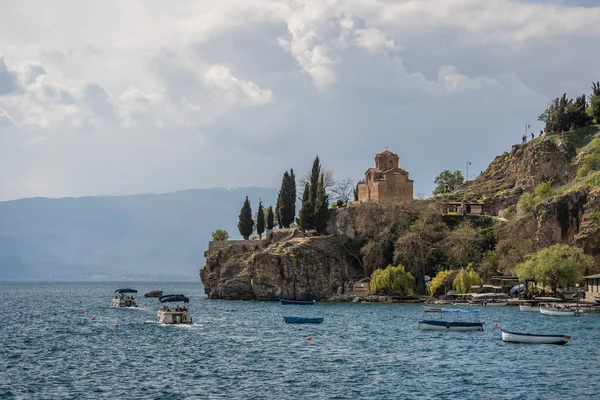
pixel 246 223
pixel 260 221
pixel 465 278
pixel 392 280
pixel 286 200
pixel 220 234
pixel 556 266
pixel 448 181
pixel 270 218
pixel 564 114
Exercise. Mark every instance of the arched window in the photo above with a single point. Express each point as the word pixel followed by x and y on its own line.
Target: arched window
pixel 391 164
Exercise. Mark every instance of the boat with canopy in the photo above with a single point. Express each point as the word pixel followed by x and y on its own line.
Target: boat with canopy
pixel 178 315
pixel 443 324
pixel 534 338
pixel 124 298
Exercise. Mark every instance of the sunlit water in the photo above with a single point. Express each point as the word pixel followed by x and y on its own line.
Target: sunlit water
pixel 52 349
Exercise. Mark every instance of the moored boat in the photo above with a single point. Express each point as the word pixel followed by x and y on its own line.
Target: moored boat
pixel 302 320
pixel 455 326
pixel 495 303
pixel 555 312
pixel 124 298
pixel 528 308
pixel 297 302
pixel 179 315
pixel 154 293
pixel 432 309
pixel 516 337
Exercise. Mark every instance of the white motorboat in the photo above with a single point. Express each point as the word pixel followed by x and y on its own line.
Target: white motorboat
pixel 455 326
pixel 432 309
pixel 178 315
pixel 534 338
pixel 495 303
pixel 555 312
pixel 124 298
pixel 529 308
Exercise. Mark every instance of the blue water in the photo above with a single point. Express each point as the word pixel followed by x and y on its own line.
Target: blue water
pixel 51 348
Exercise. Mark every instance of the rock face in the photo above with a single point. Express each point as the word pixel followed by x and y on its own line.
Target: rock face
pixel 298 269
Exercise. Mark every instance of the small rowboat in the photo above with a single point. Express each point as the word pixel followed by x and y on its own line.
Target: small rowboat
pixel 302 320
pixel 534 338
pixel 297 302
pixel 528 308
pixel 557 313
pixel 455 326
pixel 432 309
pixel 494 303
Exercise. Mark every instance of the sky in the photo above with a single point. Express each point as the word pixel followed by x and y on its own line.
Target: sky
pixel 123 97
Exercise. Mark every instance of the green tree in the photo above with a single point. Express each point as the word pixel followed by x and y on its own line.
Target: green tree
pixel 270 218
pixel 392 280
pixel 465 278
pixel 442 279
pixel 246 223
pixel 315 177
pixel 307 212
pixel 220 234
pixel 556 266
pixel 447 181
pixel 595 102
pixel 356 193
pixel 564 114
pixel 260 221
pixel 321 207
pixel 463 245
pixel 286 200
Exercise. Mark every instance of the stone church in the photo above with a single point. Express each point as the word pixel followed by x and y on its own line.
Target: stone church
pixel 386 183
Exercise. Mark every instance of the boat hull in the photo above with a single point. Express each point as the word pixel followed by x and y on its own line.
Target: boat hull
pixel 526 308
pixel 296 302
pixel 432 309
pixel 532 338
pixel 173 317
pixel 455 326
pixel 122 303
pixel 301 320
pixel 557 313
pixel 495 304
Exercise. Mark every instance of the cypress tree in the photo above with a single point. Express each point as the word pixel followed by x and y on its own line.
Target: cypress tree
pixel 246 223
pixel 277 213
pixel 260 220
pixel 307 212
pixel 356 193
pixel 270 218
pixel 321 207
pixel 286 201
pixel 291 216
pixel 315 175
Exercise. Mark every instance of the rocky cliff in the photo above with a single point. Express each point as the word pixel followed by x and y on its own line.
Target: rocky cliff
pixel 297 268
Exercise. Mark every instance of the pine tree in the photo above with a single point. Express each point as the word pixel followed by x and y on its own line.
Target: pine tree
pixel 321 207
pixel 307 211
pixel 260 220
pixel 246 223
pixel 270 218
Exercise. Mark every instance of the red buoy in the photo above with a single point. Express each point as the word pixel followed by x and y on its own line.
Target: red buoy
pixel 309 338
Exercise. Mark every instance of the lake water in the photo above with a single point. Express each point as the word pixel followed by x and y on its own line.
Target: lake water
pixel 51 349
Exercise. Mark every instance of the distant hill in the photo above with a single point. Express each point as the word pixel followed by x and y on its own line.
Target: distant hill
pixel 139 237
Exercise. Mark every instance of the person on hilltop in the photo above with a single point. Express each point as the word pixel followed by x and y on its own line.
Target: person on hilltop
pixel 524 138
pixel 532 136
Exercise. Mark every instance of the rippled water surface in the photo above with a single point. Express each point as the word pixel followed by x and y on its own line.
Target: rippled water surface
pixel 51 349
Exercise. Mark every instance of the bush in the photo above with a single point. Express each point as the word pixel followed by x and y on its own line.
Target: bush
pixel 340 203
pixel 220 234
pixel 526 203
pixel 543 191
pixel 591 162
pixel 392 280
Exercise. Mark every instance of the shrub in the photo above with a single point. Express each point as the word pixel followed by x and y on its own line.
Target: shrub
pixel 543 191
pixel 393 280
pixel 526 203
pixel 591 162
pixel 443 279
pixel 220 234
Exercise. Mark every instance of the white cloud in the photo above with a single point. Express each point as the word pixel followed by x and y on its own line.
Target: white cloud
pixel 154 89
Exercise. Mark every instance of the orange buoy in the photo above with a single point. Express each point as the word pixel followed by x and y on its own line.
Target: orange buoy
pixel 116 325
pixel 219 316
pixel 94 318
pixel 489 319
pixel 496 324
pixel 309 338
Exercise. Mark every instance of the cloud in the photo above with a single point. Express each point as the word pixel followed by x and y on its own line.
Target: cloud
pixel 8 79
pixel 153 96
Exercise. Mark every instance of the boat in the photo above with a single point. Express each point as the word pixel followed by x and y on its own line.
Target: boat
pixel 180 315
pixel 302 320
pixel 555 312
pixel 154 293
pixel 529 308
pixel 297 302
pixel 516 337
pixel 432 309
pixel 455 326
pixel 489 299
pixel 495 303
pixel 124 298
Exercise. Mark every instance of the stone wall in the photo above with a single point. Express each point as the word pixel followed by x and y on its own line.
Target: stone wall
pixel 244 245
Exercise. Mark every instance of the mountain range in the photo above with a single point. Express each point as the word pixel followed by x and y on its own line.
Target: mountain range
pixel 134 237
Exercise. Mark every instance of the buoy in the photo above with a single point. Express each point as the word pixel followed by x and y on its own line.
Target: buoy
pixel 94 318
pixel 332 313
pixel 489 319
pixel 309 338
pixel 116 325
pixel 496 324
pixel 219 316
